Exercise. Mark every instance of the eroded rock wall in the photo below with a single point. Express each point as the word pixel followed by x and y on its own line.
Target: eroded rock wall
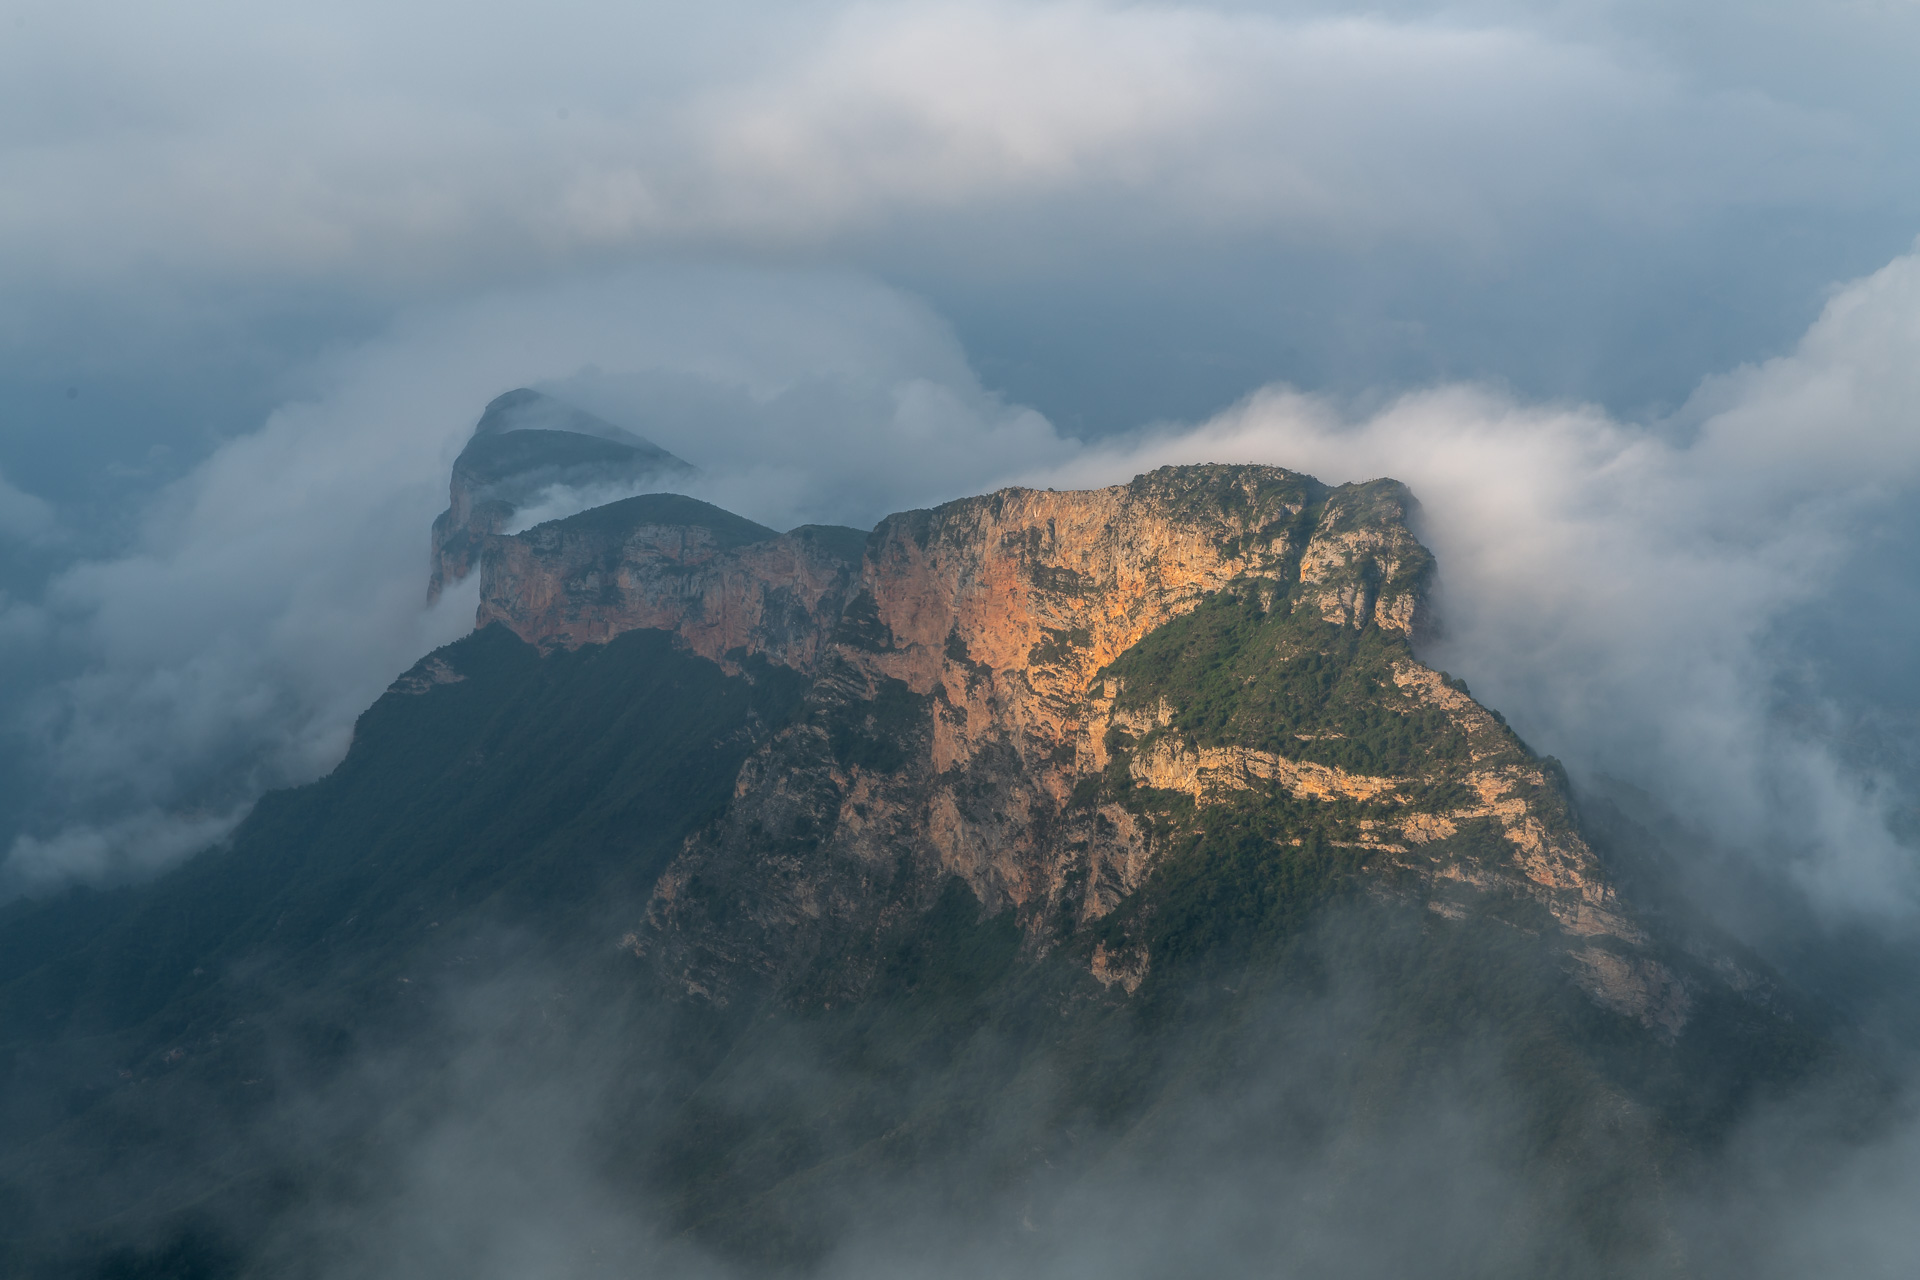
pixel 965 719
pixel 578 582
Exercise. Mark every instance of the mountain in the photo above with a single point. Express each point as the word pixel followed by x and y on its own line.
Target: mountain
pixel 1065 875
pixel 525 444
pixel 1063 688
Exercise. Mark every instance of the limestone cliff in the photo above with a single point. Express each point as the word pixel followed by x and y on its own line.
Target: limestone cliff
pixel 1047 694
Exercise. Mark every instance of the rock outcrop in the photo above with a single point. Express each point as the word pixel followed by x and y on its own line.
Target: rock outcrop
pixel 527 444
pixel 1045 693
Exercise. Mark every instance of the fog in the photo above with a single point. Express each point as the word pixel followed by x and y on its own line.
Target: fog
pixel 518 1114
pixel 516 1119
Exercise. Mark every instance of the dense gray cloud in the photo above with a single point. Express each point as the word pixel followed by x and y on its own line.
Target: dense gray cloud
pixel 23 517
pixel 423 141
pixel 1130 211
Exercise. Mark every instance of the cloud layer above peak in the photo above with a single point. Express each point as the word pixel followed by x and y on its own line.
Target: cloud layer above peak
pixel 425 143
pixel 1586 200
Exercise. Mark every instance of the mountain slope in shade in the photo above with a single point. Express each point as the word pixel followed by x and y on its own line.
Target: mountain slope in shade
pixel 1057 871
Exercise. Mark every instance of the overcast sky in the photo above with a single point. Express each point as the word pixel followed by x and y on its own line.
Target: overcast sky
pixel 1623 289
pixel 1126 212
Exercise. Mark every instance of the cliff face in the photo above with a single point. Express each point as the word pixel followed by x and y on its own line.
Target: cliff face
pixel 728 588
pixel 1053 695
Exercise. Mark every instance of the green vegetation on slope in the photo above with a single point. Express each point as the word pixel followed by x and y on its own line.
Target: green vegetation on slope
pixel 1265 501
pixel 528 786
pixel 838 540
pixel 1252 667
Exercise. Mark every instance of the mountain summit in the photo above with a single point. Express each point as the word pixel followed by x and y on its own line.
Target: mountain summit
pixel 525 444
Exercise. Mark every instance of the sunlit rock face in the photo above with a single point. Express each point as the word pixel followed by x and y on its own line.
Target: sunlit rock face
pixel 527 444
pixel 1050 694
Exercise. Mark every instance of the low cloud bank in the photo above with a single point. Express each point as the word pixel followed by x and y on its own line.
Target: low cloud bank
pixel 524 1118
pixel 530 1121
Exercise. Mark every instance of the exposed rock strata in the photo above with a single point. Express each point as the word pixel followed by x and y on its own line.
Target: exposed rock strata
pixel 964 719
pixel 726 586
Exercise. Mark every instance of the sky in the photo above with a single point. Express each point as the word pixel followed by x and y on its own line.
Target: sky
pixel 1625 291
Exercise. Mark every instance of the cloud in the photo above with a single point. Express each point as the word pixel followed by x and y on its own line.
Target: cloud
pixel 519 1114
pixel 1790 1198
pixel 1129 210
pixel 402 146
pixel 137 845
pixel 23 517
pixel 1338 128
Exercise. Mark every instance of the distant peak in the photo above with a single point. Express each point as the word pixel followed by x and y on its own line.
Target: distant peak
pixel 669 510
pixel 524 409
pixel 528 444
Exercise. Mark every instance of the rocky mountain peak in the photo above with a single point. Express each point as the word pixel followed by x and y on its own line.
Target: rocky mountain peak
pixel 1051 695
